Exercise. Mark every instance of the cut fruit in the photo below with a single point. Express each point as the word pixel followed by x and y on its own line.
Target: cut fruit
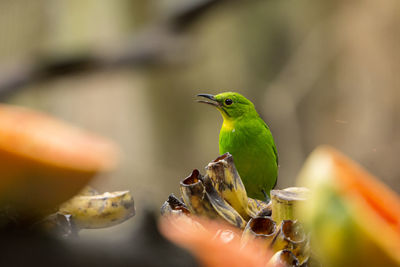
pixel 355 218
pixel 43 161
pixel 214 243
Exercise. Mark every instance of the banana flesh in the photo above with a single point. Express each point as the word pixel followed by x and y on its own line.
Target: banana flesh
pixel 91 211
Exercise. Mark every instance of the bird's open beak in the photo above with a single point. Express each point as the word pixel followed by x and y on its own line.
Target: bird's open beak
pixel 211 97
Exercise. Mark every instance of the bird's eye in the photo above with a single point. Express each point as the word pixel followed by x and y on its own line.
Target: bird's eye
pixel 228 101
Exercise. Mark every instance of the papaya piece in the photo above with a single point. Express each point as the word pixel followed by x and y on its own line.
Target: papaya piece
pixel 44 161
pixel 354 218
pixel 215 243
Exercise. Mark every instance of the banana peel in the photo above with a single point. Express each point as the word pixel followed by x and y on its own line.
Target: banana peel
pixel 227 182
pixel 262 228
pixel 283 258
pixel 285 202
pixel 257 208
pixel 291 236
pixel 88 191
pixel 174 206
pixel 195 197
pixel 201 198
pixel 58 224
pixel 221 206
pixel 220 194
pixel 99 211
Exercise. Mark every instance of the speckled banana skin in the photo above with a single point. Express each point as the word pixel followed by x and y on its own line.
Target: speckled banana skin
pixel 221 206
pixel 202 199
pixel 255 207
pixel 194 196
pixel 99 211
pixel 174 206
pixel 227 182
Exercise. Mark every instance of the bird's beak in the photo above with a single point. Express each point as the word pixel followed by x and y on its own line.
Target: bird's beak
pixel 211 97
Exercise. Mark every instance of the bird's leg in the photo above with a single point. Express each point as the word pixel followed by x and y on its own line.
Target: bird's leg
pixel 267 199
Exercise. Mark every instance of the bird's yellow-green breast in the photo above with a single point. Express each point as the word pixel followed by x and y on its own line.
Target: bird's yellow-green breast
pixel 247 137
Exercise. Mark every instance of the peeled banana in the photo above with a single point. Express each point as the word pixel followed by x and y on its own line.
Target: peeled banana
pixel 99 211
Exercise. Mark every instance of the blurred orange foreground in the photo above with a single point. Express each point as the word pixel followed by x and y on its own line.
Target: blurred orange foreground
pixel 354 218
pixel 214 243
pixel 44 162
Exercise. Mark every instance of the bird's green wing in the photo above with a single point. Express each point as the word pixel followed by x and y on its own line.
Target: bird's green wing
pixel 275 151
pixel 273 145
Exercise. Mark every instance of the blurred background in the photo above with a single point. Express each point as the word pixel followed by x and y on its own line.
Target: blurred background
pixel 318 72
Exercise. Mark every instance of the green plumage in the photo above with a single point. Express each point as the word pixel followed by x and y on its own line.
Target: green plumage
pixel 247 137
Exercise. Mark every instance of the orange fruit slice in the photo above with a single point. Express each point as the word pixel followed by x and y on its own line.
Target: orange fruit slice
pixel 43 161
pixel 354 217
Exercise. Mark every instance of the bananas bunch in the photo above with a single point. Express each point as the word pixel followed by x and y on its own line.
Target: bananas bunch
pixel 91 210
pixel 220 193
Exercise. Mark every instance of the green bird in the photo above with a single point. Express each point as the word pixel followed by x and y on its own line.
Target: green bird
pixel 247 137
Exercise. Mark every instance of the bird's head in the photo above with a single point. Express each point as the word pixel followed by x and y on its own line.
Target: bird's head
pixel 231 105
